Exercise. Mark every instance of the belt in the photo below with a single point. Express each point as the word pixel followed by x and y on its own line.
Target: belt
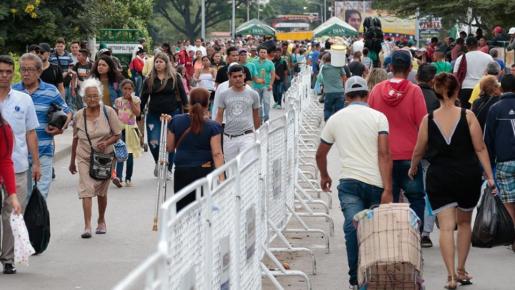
pixel 238 135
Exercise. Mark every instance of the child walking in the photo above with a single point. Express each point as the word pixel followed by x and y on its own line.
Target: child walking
pixel 128 108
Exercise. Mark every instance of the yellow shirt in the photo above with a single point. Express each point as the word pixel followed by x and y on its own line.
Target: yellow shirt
pixel 475 93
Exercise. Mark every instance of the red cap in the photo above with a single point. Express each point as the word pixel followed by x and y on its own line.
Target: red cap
pixel 498 29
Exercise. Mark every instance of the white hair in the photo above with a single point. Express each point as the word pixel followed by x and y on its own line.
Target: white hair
pixel 91 83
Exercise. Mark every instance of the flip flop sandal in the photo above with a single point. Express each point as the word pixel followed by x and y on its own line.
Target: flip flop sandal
pixel 101 229
pixel 86 234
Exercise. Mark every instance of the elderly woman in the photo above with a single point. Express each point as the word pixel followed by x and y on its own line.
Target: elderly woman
pixel 95 128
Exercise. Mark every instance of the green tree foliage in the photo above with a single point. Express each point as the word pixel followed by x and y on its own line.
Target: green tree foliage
pixel 184 17
pixel 486 13
pixel 23 22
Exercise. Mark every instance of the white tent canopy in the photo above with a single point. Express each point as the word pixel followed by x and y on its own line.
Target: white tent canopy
pixel 334 27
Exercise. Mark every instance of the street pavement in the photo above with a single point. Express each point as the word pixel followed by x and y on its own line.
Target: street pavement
pixel 100 262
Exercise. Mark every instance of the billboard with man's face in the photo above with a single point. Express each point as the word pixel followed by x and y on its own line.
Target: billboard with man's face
pixel 354 12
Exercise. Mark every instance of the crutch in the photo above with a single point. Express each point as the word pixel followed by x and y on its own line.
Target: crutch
pixel 162 167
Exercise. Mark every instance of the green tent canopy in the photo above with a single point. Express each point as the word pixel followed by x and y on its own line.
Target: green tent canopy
pixel 334 27
pixel 255 27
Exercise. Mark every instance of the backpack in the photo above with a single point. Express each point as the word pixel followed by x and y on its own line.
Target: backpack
pixel 37 220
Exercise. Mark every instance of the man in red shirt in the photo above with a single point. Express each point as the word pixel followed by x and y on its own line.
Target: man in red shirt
pixel 404 106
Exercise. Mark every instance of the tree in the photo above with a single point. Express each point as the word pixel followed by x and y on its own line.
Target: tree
pixel 484 13
pixel 185 16
pixel 24 22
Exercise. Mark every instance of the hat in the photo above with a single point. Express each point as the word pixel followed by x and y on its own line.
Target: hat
pixel 355 84
pixel 34 47
pixel 104 51
pixel 401 58
pixel 45 47
pixel 498 29
pixel 512 30
pixel 242 50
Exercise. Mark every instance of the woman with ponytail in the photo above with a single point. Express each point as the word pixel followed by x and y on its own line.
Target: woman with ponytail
pixel 451 139
pixel 196 141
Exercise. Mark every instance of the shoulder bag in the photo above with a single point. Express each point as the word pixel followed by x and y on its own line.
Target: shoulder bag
pixel 100 164
pixel 120 148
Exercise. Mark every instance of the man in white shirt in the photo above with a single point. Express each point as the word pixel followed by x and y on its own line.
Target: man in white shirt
pixel 366 175
pixel 477 61
pixel 18 110
pixel 198 46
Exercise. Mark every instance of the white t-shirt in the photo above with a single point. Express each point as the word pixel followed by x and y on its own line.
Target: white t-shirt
pixel 201 48
pixel 220 89
pixel 476 67
pixel 355 131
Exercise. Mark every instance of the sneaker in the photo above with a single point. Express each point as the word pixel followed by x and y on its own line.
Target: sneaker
pixel 9 269
pixel 425 242
pixel 53 173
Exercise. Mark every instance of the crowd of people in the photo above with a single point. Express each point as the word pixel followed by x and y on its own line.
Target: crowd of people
pixel 402 128
pixel 406 130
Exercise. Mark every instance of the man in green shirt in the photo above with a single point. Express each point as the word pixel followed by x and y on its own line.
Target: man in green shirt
pixel 440 63
pixel 243 60
pixel 264 81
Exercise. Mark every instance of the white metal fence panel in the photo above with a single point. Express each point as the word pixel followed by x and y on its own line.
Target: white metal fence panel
pixel 152 274
pixel 250 213
pixel 223 248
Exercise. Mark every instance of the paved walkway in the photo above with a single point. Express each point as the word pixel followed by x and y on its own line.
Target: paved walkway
pixel 99 263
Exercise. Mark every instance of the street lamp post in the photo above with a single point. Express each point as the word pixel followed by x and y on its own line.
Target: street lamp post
pixel 233 23
pixel 203 25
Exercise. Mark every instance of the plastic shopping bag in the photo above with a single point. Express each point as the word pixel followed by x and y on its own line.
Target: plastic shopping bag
pixel 493 225
pixel 22 247
pixel 37 220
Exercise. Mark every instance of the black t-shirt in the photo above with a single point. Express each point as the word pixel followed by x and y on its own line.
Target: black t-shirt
pixel 280 68
pixel 52 75
pixel 357 68
pixel 221 75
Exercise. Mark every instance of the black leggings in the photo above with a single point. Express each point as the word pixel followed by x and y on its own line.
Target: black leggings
pixel 183 176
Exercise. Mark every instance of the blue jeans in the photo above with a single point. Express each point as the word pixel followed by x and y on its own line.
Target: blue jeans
pixel 154 134
pixel 265 97
pixel 44 182
pixel 333 102
pixel 130 165
pixel 278 92
pixel 355 196
pixel 413 189
pixel 138 82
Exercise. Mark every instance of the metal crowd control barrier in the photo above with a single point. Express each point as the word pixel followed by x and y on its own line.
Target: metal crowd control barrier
pixel 220 240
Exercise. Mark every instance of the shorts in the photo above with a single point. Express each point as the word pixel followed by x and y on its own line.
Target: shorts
pixel 505 179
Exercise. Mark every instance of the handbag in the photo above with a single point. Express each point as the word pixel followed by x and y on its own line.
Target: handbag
pixel 120 148
pixel 100 164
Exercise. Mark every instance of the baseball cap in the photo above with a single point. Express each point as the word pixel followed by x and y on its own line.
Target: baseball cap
pixel 498 29
pixel 512 30
pixel 242 50
pixel 356 84
pixel 45 47
pixel 34 47
pixel 103 51
pixel 401 58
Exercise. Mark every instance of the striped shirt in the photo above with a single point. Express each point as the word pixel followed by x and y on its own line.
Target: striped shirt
pixel 42 98
pixel 64 61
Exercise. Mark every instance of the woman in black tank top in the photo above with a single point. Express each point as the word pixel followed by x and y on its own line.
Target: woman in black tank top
pixel 452 141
